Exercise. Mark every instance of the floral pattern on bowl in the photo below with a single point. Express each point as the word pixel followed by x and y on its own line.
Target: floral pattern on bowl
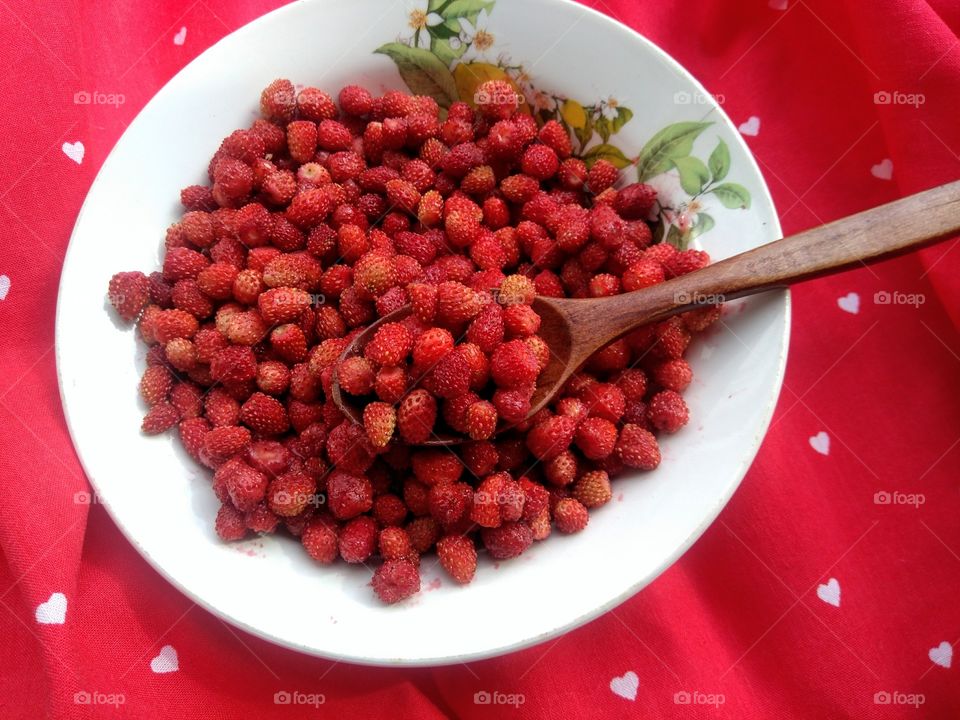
pixel 446 57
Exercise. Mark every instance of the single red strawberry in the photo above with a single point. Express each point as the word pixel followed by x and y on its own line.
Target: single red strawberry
pixel 379 421
pixel 396 580
pixel 416 416
pixel 458 557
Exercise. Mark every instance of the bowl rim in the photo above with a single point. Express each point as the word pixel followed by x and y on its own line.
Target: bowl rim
pixel 736 479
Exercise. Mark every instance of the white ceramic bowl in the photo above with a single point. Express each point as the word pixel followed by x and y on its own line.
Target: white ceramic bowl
pixel 162 501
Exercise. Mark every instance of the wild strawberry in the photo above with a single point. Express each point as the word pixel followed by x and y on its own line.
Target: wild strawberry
pixel 641 274
pixel 160 418
pixel 637 447
pixel 462 228
pixel 357 540
pixel 435 467
pixel 520 321
pixel 355 375
pixel 315 105
pixel 283 304
pixel 423 533
pixel 479 181
pixel 481 420
pixel 507 541
pixel 450 377
pixel 562 470
pixel 416 416
pixel 513 405
pixel 635 201
pixel 374 273
pixel 129 293
pixel 496 99
pixel 432 345
pixel 264 415
pixel 519 188
pixel 181 354
pixel 390 345
pixel 593 489
pixel 389 510
pixel 302 140
pixel 685 262
pixel 604 400
pixel 456 304
pixel 198 197
pixel 394 544
pixel 232 182
pixel 230 523
pixel 155 384
pixel 278 101
pixel 348 495
pixel 180 263
pixel 480 458
pixel 391 384
pixel 234 364
pixel 540 162
pixel 596 437
pixel 450 502
pixel 222 443
pixel 552 437
pixel 423 299
pixel 188 297
pixel 170 324
pixel 379 421
pixel 570 516
pixel 671 340
pixel 458 557
pixel 396 580
pixel 673 375
pixel 553 135
pixel 513 365
pixel 192 431
pixel 333 136
pixel 601 176
pixel 349 449
pixel 355 100
pixel 319 539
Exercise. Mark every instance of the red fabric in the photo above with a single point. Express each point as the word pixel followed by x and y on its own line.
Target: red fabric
pixel 739 615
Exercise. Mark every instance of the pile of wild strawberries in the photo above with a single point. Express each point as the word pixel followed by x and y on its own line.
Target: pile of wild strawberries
pixel 324 216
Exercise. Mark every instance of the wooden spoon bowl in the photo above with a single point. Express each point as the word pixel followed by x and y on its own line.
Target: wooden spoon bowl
pixel 576 329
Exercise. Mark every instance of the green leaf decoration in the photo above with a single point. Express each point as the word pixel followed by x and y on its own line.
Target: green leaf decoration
pixel 719 161
pixel 675 238
pixel 624 116
pixel 704 223
pixel 468 9
pixel 674 141
pixel 604 128
pixel 611 153
pixel 693 174
pixel 423 72
pixel 732 196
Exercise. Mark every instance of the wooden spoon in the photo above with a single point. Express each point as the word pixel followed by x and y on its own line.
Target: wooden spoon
pixel 575 329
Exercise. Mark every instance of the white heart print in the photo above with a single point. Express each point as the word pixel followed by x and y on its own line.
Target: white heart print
pixel 74 151
pixel 830 593
pixel 166 661
pixel 849 303
pixel 53 611
pixel 751 127
pixel 883 170
pixel 4 286
pixel 821 443
pixel 181 37
pixel 626 685
pixel 942 654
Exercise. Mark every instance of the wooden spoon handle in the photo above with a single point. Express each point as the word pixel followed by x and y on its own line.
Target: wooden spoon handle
pixel 869 236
